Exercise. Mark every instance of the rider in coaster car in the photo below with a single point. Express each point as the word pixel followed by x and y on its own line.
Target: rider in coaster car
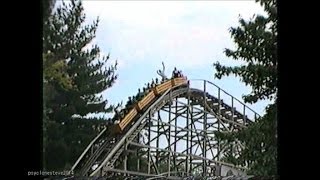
pixel 152 83
pixel 148 87
pixel 117 116
pixel 175 73
pixel 134 100
pixel 140 94
pixel 129 103
pixel 144 91
pixel 157 81
pixel 122 113
pixel 180 74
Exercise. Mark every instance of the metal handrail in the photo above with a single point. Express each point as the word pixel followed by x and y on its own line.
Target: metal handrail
pixel 87 149
pixel 246 106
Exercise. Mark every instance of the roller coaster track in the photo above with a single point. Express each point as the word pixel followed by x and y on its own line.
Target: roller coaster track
pixel 108 148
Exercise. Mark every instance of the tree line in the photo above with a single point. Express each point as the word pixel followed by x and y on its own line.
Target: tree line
pixel 73 77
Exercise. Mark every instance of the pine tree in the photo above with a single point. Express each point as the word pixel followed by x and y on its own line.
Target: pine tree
pixel 256 42
pixel 65 38
pixel 74 76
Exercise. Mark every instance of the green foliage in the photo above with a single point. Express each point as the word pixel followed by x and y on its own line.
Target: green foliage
pixel 259 139
pixel 74 75
pixel 66 141
pixel 55 72
pixel 256 42
pixel 256 45
pixel 47 6
pixel 67 39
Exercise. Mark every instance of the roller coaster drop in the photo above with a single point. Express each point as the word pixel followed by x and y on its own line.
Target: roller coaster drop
pixel 169 134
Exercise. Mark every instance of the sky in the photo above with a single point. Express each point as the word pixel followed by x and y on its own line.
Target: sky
pixel 189 35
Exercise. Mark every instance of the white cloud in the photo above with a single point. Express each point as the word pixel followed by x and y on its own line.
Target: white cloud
pixel 189 33
pixel 149 13
pixel 160 13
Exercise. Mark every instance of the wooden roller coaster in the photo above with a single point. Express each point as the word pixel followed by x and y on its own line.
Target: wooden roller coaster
pixel 109 148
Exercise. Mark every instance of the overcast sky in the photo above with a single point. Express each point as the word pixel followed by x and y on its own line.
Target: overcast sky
pixel 190 35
